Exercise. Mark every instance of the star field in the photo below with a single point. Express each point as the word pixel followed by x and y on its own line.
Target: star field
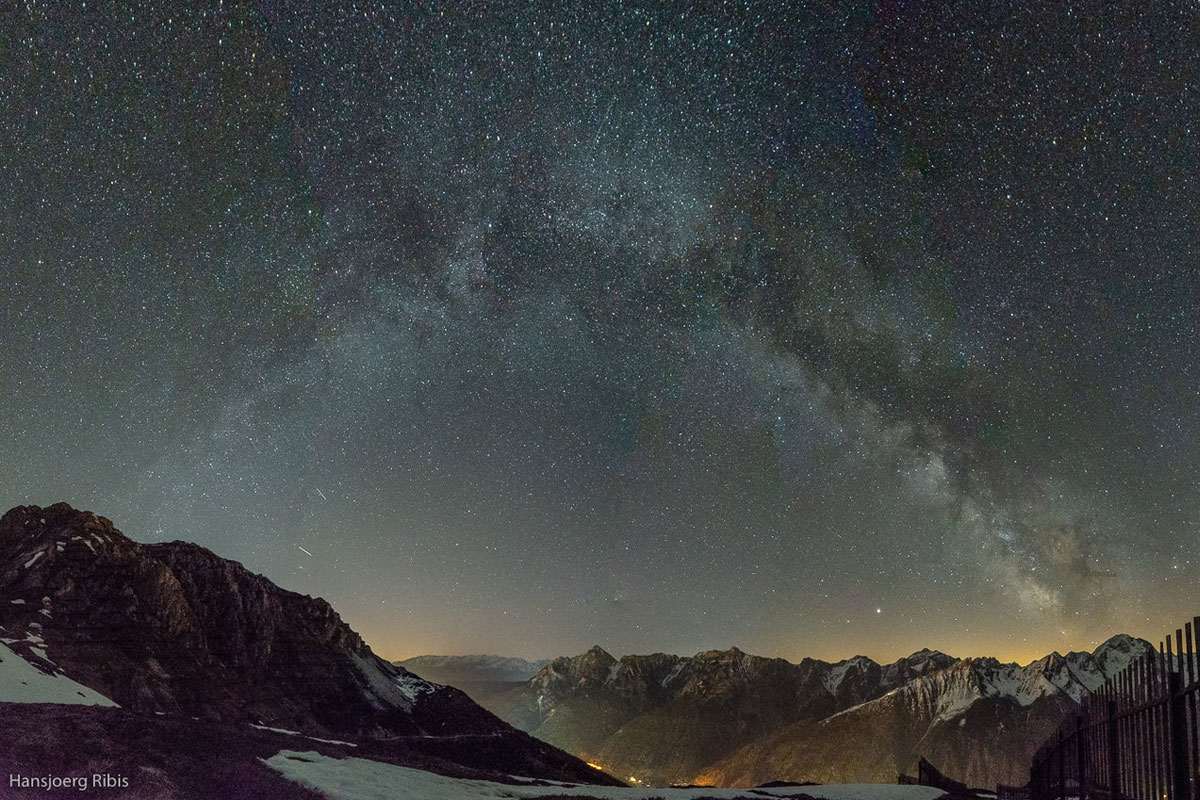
pixel 814 329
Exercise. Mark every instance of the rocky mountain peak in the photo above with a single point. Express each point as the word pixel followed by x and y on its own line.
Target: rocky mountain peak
pixel 854 663
pixel 90 617
pixel 1118 652
pixel 34 536
pixel 595 660
pixel 921 662
pixel 173 627
pixel 38 519
pixel 730 655
pixel 591 668
pixel 927 655
pixel 1123 643
pixel 1053 660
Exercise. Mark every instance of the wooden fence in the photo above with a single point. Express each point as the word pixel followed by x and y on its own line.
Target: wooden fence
pixel 1137 736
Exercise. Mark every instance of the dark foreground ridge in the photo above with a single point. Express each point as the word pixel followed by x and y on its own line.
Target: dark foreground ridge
pixel 184 759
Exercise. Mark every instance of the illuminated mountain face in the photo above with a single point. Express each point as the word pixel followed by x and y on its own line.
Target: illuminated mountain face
pixel 733 719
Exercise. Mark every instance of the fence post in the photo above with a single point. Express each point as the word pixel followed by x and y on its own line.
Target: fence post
pixel 1114 752
pixel 1081 752
pixel 1061 756
pixel 1180 780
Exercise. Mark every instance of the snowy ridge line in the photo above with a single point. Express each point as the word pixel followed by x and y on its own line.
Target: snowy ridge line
pixel 954 690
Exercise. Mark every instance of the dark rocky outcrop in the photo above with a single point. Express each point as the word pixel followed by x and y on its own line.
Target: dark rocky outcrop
pixel 174 629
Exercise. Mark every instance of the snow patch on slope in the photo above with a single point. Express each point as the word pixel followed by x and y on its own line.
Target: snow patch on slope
pixel 389 686
pixel 837 673
pixel 22 682
pixel 678 668
pixel 296 733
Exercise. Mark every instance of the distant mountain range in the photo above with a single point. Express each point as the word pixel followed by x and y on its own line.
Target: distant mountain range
pixel 165 656
pixel 728 718
pixel 457 670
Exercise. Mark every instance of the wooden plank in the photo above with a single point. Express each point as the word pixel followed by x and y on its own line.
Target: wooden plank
pixel 1122 734
pixel 1193 709
pixel 1152 726
pixel 1137 708
pixel 1131 737
pixel 1153 718
pixel 1158 734
pixel 1178 744
pixel 1161 711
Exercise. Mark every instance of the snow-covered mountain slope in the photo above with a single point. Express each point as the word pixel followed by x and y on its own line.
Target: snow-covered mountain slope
pixel 23 681
pixel 364 779
pixel 1074 674
pixel 979 720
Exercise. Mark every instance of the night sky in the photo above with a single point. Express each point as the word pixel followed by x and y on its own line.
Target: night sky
pixel 812 328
